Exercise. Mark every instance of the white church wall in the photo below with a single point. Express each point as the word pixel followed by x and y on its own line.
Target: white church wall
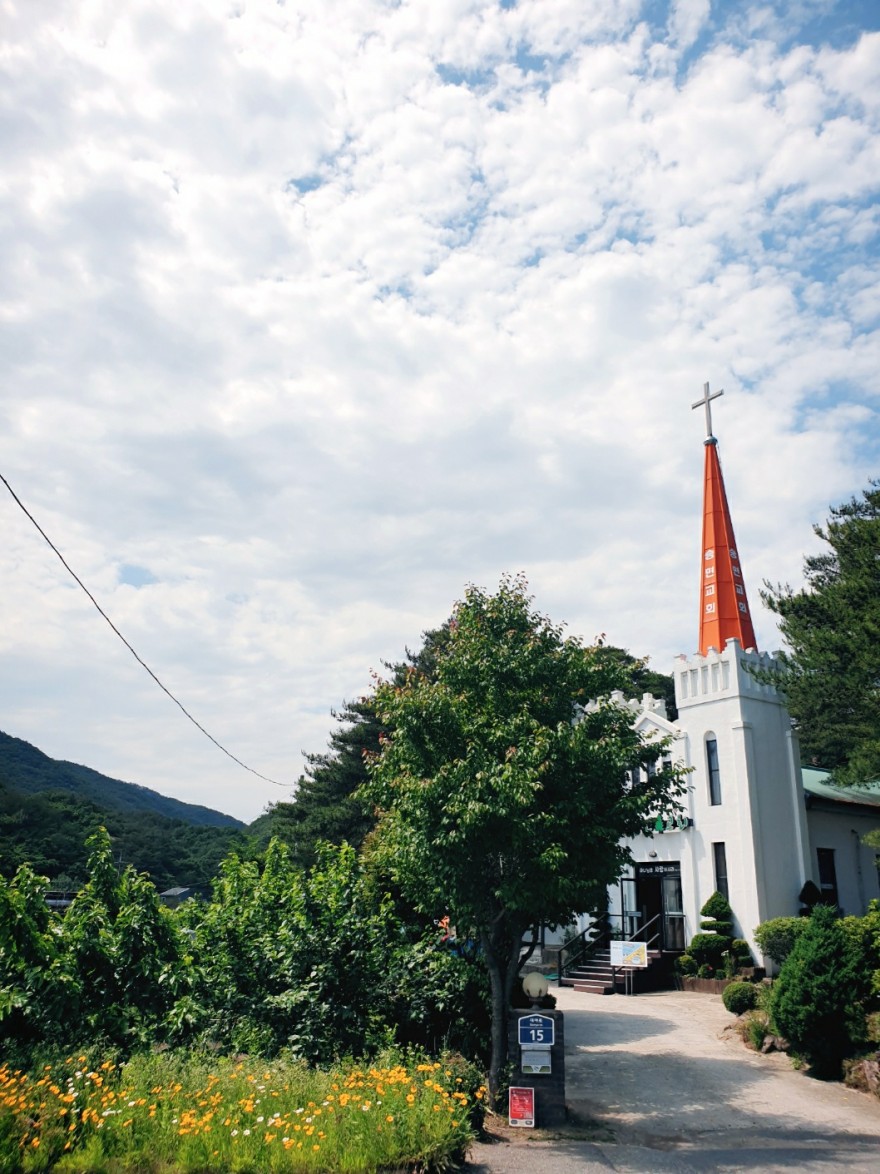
pixel 760 819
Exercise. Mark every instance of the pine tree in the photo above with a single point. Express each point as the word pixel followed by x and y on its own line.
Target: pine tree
pixel 326 807
pixel 831 674
pixel 817 1001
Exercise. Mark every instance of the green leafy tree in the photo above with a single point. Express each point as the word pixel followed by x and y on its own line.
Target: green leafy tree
pixel 831 673
pixel 35 985
pixel 646 680
pixel 495 804
pixel 126 952
pixel 293 959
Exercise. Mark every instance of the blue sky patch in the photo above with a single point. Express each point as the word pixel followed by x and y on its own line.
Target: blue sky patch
pixel 135 576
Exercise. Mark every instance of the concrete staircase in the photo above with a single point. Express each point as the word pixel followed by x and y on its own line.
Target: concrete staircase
pixel 594 975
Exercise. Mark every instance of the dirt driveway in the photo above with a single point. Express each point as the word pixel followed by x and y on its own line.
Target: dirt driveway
pixel 656 1083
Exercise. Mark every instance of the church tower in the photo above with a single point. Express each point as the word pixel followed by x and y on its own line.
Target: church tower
pixel 749 837
pixel 745 829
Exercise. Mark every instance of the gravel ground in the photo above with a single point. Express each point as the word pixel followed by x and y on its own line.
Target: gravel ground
pixel 660 1083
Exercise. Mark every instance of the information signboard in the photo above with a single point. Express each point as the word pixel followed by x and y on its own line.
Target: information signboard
pixel 633 954
pixel 521 1107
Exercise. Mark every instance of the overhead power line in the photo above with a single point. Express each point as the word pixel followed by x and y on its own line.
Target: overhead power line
pixel 140 661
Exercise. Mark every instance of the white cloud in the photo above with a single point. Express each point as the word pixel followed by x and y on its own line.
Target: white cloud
pixel 318 314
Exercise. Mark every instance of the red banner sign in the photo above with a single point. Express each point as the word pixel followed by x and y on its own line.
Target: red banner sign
pixel 522 1107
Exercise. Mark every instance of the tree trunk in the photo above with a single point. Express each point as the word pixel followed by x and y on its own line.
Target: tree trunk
pixel 502 963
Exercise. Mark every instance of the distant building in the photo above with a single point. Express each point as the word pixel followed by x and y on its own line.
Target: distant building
pixel 180 893
pixel 59 899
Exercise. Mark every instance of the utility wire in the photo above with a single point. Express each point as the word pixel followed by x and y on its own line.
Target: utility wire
pixel 141 662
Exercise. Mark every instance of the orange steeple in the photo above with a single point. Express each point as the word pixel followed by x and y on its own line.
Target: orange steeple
pixel 724 608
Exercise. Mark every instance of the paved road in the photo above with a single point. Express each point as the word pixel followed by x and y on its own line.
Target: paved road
pixel 657 1084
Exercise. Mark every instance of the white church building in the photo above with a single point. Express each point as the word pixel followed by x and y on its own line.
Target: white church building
pixel 755 826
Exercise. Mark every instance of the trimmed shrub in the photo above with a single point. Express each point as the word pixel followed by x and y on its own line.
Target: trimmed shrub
pixel 739 997
pixel 818 999
pixel 809 896
pixel 717 907
pixel 723 928
pixel 776 937
pixel 686 964
pixel 741 950
pixel 708 948
pixel 706 971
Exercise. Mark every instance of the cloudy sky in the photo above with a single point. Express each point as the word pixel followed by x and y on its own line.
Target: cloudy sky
pixel 313 312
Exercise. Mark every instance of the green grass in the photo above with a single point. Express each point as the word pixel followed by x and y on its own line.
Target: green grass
pixel 181 1114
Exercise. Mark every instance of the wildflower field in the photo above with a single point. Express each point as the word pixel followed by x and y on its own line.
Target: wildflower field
pixel 163 1114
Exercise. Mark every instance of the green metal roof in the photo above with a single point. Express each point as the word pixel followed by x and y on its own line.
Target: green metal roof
pixel 818 784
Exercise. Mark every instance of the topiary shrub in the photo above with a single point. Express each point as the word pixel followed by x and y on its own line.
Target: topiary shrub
pixel 742 952
pixel 818 1000
pixel 739 997
pixel 809 896
pixel 708 949
pixel 724 929
pixel 717 908
pixel 717 920
pixel 712 949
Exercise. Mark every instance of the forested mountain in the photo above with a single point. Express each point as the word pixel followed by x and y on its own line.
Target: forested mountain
pixel 25 768
pixel 49 808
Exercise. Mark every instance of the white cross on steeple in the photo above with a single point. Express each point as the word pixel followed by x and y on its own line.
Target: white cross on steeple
pixel 705 401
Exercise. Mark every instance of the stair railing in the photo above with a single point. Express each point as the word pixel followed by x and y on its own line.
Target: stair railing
pixel 636 935
pixel 577 949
